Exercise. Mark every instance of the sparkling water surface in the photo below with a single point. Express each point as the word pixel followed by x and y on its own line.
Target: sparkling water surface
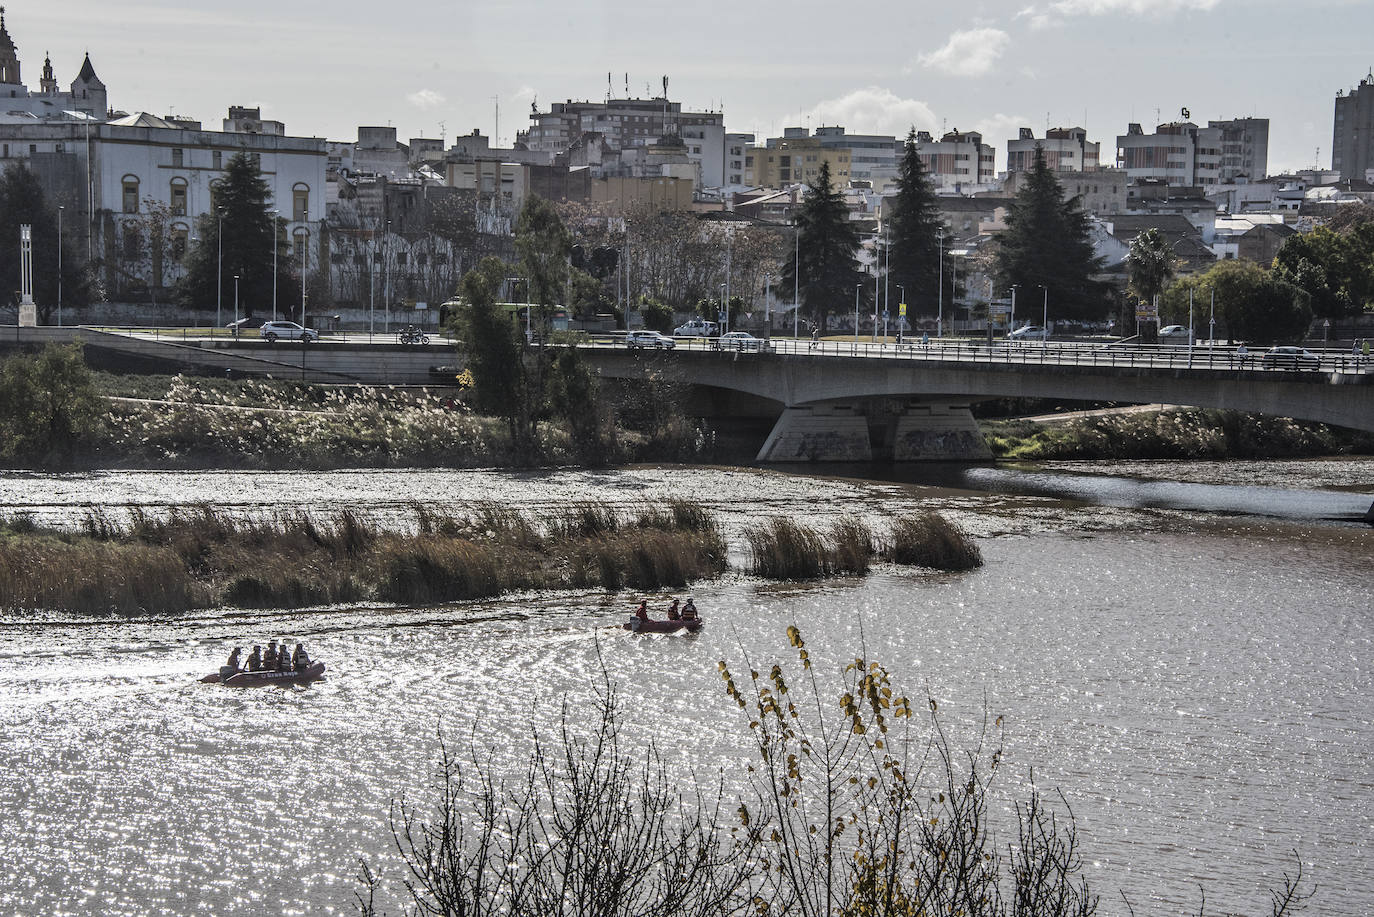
pixel 1198 685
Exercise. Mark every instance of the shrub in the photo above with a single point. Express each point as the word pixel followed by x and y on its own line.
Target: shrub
pixel 851 547
pixel 931 540
pixel 431 568
pixel 783 549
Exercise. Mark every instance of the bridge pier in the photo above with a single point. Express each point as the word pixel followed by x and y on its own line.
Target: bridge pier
pixel 864 430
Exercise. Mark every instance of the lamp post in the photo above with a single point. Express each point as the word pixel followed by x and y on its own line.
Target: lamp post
pixel 940 313
pixel 857 288
pixel 1045 317
pixel 796 281
pixel 386 279
pixel 767 302
pixel 724 315
pixel 901 293
pixel 59 266
pixel 236 306
pixel 274 267
pixel 1011 320
pixel 1212 322
pixel 219 273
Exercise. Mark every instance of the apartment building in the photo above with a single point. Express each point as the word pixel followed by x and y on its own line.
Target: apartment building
pixel 1065 149
pixel 1352 133
pixel 1182 153
pixel 795 158
pixel 958 161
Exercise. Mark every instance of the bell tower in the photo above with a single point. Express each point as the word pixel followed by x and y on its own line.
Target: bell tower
pixel 9 60
pixel 47 84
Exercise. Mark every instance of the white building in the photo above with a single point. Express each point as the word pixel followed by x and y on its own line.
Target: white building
pixel 87 94
pixel 1182 153
pixel 1065 149
pixel 959 162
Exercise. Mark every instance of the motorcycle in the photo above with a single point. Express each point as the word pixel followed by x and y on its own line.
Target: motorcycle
pixel 413 335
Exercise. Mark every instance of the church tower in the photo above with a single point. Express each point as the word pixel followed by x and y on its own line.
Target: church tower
pixel 48 84
pixel 88 93
pixel 9 59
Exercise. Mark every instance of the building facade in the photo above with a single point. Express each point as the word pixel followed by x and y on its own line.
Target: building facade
pixel 87 95
pixel 1066 149
pixel 957 162
pixel 1182 153
pixel 1352 133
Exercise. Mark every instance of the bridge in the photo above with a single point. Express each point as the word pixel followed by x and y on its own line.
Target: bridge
pixel 828 400
pixel 855 401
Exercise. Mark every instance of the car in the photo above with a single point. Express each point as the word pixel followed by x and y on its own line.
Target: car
pixel 286 331
pixel 1174 334
pixel 651 340
pixel 697 328
pixel 1027 333
pixel 739 340
pixel 1290 358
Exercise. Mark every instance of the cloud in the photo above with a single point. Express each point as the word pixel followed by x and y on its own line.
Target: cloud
pixel 1059 10
pixel 874 110
pixel 969 53
pixel 426 99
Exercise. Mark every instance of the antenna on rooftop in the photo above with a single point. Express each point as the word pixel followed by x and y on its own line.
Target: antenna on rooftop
pixel 608 86
pixel 496 136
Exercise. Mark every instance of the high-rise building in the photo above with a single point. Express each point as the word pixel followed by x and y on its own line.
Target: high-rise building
pixel 1352 136
pixel 1182 153
pixel 959 161
pixel 1066 149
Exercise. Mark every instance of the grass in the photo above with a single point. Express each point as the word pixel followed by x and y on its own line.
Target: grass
pixel 198 557
pixel 930 540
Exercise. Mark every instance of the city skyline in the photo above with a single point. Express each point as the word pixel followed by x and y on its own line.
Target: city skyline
pixel 993 67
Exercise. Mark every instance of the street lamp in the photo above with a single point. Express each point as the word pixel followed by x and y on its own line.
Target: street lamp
pixel 796 280
pixel 59 266
pixel 236 305
pixel 274 267
pixel 724 314
pixel 1011 320
pixel 940 313
pixel 857 288
pixel 1045 317
pixel 219 272
pixel 767 312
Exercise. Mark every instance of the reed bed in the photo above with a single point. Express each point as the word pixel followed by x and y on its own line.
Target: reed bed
pixel 197 557
pixel 931 540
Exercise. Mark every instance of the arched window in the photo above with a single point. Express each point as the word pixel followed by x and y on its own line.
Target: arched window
pixel 131 194
pixel 300 202
pixel 178 197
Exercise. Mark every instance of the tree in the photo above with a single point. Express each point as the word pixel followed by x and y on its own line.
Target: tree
pixel 1046 244
pixel 22 202
pixel 829 270
pixel 48 405
pixel 500 373
pixel 240 203
pixel 1252 304
pixel 1334 267
pixel 1149 265
pixel 915 232
pixel 544 247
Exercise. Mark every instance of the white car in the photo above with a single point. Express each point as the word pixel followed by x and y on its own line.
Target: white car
pixel 697 328
pixel 286 331
pixel 1027 333
pixel 651 340
pixel 739 340
pixel 1173 334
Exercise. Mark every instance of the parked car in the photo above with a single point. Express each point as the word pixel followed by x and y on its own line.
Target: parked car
pixel 739 340
pixel 1291 358
pixel 1173 334
pixel 649 339
pixel 286 331
pixel 1027 333
pixel 699 328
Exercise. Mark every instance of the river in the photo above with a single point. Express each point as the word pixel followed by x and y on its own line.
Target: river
pixel 1187 658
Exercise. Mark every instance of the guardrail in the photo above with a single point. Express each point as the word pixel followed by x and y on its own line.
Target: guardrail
pixel 1059 353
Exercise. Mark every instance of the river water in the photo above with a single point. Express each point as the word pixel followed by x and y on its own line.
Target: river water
pixel 1188 659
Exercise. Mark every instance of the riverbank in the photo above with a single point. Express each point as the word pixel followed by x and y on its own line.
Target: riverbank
pixel 1174 433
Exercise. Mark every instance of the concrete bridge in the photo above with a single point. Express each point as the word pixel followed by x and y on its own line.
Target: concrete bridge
pixel 857 402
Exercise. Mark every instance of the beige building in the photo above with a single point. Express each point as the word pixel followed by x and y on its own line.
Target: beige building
pixel 1103 191
pixel 796 160
pixel 959 161
pixel 1066 149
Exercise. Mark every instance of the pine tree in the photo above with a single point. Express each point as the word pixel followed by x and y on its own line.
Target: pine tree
pixel 828 243
pixel 915 233
pixel 240 203
pixel 22 202
pixel 1046 244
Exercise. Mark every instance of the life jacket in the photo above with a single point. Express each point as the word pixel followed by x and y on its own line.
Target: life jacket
pixel 642 612
pixel 689 612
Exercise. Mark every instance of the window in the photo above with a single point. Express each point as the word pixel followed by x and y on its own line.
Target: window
pixel 300 203
pixel 180 234
pixel 217 159
pixel 421 259
pixel 60 148
pixel 298 248
pixel 178 197
pixel 178 158
pixel 130 194
pixel 400 258
pixel 133 244
pixel 358 259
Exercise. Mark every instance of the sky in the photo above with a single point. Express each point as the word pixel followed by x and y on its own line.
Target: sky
pixel 434 68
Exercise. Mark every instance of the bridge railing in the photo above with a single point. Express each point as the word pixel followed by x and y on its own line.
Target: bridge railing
pixel 1059 353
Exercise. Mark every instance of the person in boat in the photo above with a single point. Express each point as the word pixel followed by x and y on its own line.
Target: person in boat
pixel 255 659
pixel 269 658
pixel 284 659
pixel 673 612
pixel 233 662
pixel 689 611
pixel 642 611
pixel 300 659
